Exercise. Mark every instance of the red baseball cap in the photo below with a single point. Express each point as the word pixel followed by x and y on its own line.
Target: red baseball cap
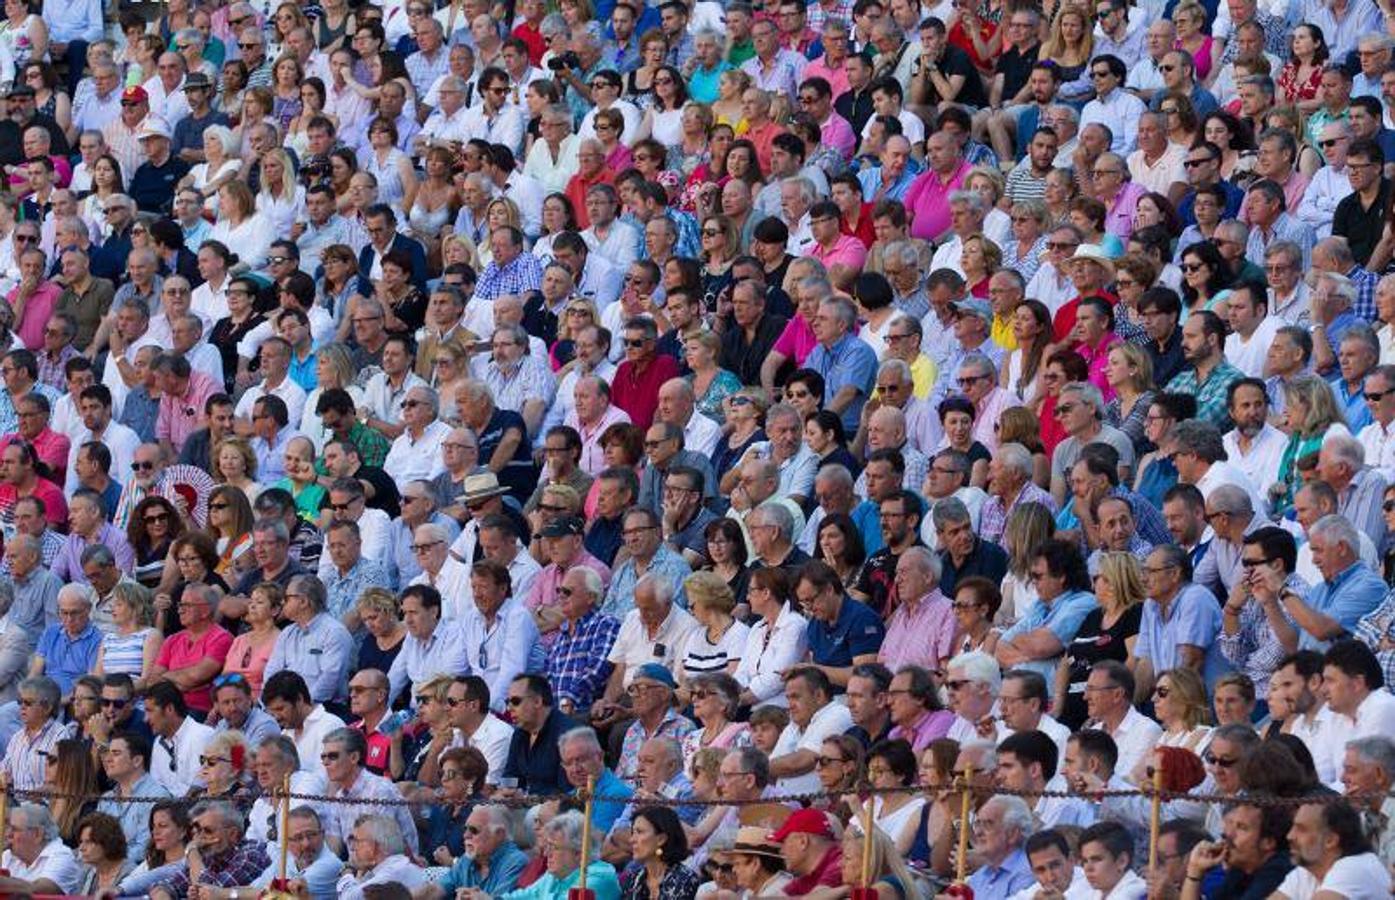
pixel 137 93
pixel 805 821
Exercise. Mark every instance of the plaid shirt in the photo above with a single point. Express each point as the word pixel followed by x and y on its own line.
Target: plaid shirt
pixel 673 725
pixel 993 520
pixel 343 590
pixel 680 53
pixel 51 370
pixel 239 865
pixel 842 11
pixel 1210 397
pixel 372 447
pixel 1254 649
pixel 523 274
pixel 576 665
pixel 1365 305
pixel 423 72
pixel 530 379
pixel 1374 627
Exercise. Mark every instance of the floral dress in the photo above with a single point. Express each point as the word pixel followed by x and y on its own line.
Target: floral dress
pixel 1293 90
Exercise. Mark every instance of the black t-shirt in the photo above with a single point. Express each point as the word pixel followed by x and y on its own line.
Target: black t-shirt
pixel 957 62
pixel 1361 227
pixel 519 475
pixel 1015 67
pixel 878 579
pixel 1094 643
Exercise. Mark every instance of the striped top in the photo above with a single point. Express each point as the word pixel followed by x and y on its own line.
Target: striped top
pixel 124 653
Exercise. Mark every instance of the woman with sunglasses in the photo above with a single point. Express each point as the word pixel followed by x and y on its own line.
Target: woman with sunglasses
pixel 224 770
pixel 716 697
pixel 152 529
pixel 48 99
pixel 431 735
pixel 745 417
pixel 1182 123
pixel 1205 278
pixel 251 650
pixel 1156 473
pixel 719 250
pixel 130 647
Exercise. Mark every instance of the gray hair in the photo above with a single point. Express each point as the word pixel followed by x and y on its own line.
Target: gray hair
pixel 227 813
pixel 1017 815
pixel 568 827
pixel 1342 286
pixel 283 747
pixel 773 512
pixel 1361 333
pixel 83 592
pixel 972 199
pixel 1346 449
pixel 928 560
pixel 384 831
pixel 433 400
pixel 43 689
pixel 1287 249
pixel 100 554
pixel 983 363
pixel 949 511
pixel 979 667
pixel 806 189
pixel 585 735
pixel 1199 437
pixel 1088 393
pixel 1336 528
pixel 844 308
pixel 1232 500
pixel 1017 458
pixel 899 366
pixel 781 411
pixel 37 817
pixel 662 587
pixel 592 581
pixel 1376 750
pixel 835 474
pixel 313 589
pixel 905 252
pixel 190 36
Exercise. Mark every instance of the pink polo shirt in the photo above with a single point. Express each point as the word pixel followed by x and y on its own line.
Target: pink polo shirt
pixel 846 251
pixel 1096 359
pixel 838 134
pixel 797 341
pixel 927 201
pixel 180 417
pixel 836 76
pixel 179 651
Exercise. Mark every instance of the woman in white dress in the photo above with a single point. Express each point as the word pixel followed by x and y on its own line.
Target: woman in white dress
pixel 892 764
pixel 106 181
pixel 281 200
pixel 23 36
pixel 663 120
pixel 240 226
pixel 1181 708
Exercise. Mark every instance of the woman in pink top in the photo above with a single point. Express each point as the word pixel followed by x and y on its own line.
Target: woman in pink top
pixel 1094 336
pixel 250 650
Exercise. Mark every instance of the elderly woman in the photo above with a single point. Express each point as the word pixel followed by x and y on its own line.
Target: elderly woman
pixel 744 415
pixel 130 646
pixel 717 647
pixel 561 846
pixel 715 698
pixel 463 770
pixel 251 650
pixel 776 639
pixel 224 768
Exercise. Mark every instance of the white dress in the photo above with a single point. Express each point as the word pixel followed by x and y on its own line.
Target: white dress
pixel 668 127
pixel 202 179
pixel 1015 374
pixel 283 212
pixel 895 823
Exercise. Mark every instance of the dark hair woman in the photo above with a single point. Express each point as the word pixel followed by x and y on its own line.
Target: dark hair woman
pixel 726 548
pixel 152 530
pixel 660 845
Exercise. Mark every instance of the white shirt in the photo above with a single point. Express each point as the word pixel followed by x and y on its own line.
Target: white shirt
pixel 492 739
pixel 393 870
pixel 290 392
pixel 1130 887
pixel 321 331
pixel 949 256
pixel 453 582
pixel 1135 736
pixel 1379 441
pixel 831 720
pixel 1226 473
pixel 701 434
pixel 442 127
pixel 1386 335
pixel 1161 175
pixel 421 660
pixel 171 105
pixel 1119 113
pixel 634 646
pixel 620 245
pixel 180 772
pixel 120 440
pixel 417 459
pixel 55 861
pixel 1079 889
pixel 504 127
pixel 1248 356
pixel 1362 877
pixel 311 738
pixel 1326 746
pixel 502 651
pixel 1261 464
pixel 1375 716
pixel 912 126
pixel 385 401
pixel 1328 187
pixel 769 652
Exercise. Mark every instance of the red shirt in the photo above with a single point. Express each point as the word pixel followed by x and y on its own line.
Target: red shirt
pixel 52 449
pixel 379 748
pixel 55 506
pixel 181 651
pixel 576 192
pixel 828 873
pixel 637 393
pixel 531 36
pixel 1064 320
pixel 863 232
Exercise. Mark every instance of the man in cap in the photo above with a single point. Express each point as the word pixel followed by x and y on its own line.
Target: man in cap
pixel 123 135
pixel 1090 270
pixel 188 131
pixel 811 850
pixel 152 186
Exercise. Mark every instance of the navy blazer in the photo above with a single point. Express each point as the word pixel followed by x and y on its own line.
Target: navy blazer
pixel 367 255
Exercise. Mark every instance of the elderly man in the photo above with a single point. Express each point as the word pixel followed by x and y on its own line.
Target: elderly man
pixel 315 643
pixel 1080 412
pixel 1201 459
pixel 416 452
pixel 577 662
pixel 67 650
pixel 25 762
pixel 191 658
pixel 847 363
pixel 921 628
pixel 37 860
pixel 583 764
pixel 379 849
pixel 347 571
pixel 811 851
pixel 1349 590
pixel 1180 621
pixel 1000 831
pixel 1010 483
pixel 225 855
pixel 342 756
pixel 491 863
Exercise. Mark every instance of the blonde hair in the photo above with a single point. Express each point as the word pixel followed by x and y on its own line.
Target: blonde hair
pixel 710 590
pixel 340 362
pixel 472 252
pixel 287 174
pixel 244 449
pixel 564 329
pixel 436 686
pixel 1188 690
pixel 376 599
pixel 239 191
pixel 1314 393
pixel 139 598
pixel 1055 47
pixel 1122 572
pixel 1141 363
pixel 994 177
pixel 511 214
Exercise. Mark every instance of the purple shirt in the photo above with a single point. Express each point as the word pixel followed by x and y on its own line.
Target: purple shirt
pixel 931 726
pixel 67 565
pixel 1119 219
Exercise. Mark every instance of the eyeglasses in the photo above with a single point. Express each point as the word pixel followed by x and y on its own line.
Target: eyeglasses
pixel 1193 267
pixel 517 701
pixel 212 760
pixel 139 466
pixel 1330 142
pixel 1161 693
pixel 218 505
pixel 635 342
pixel 115 703
pixel 1219 762
pixel 1065 409
pixel 1254 563
pixel 1168 67
pixel 825 761
pixel 422 548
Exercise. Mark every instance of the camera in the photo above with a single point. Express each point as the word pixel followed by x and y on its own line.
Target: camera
pixel 568 60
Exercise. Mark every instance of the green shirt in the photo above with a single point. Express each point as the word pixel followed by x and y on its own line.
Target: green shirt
pixel 372 447
pixel 739 53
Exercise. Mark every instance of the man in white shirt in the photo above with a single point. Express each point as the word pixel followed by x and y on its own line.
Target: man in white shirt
pixel 469 697
pixel 1329 185
pixel 448 124
pixel 1200 458
pixel 616 240
pixel 1113 107
pixel 415 454
pixel 1354 682
pixel 37 861
pixel 432 645
pixel 1327 841
pixel 1295 698
pixel 1049 855
pixel 1378 438
pixel 813 717
pixel 1157 164
pixel 1252 329
pixel 276 381
pixel 287 698
pixel 179 739
pixel 678 407
pixel 1253 445
pixel 492 119
pixel 1109 703
pixel 1106 857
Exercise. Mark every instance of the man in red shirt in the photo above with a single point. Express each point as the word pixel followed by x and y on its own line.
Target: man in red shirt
pixel 190 659
pixel 637 380
pixel 530 29
pixel 591 171
pixel 368 694
pixel 811 852
pixel 1090 270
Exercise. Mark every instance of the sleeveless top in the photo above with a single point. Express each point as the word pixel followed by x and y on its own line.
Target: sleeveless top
pixel 426 222
pixel 390 187
pixel 124 652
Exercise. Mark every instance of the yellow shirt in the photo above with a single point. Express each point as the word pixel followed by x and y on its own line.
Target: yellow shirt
pixel 925 373
pixel 1002 335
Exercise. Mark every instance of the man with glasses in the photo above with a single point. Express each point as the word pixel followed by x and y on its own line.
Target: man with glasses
pixel 37 860
pixel 564 548
pixel 491 863
pixel 103 103
pixel 380 726
pixel 1203 169
pixel 493 119
pixel 1109 692
pixel 68 648
pixel 191 658
pixel 1370 190
pixel 1181 621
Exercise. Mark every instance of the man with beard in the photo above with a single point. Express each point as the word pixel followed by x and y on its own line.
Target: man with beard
pixel 1256 447
pixel 1253 852
pixel 900 527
